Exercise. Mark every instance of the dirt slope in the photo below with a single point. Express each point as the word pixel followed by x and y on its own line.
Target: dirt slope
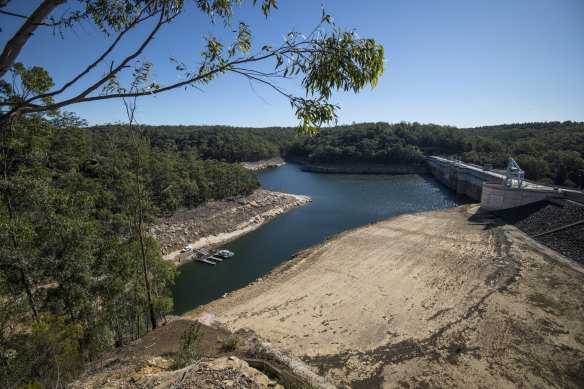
pixel 437 299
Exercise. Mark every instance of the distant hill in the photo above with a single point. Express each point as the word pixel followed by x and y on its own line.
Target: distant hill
pixel 548 152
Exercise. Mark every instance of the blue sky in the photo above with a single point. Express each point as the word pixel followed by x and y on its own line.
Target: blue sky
pixel 462 63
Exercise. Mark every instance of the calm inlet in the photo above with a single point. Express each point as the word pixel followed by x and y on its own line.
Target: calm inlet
pixel 339 202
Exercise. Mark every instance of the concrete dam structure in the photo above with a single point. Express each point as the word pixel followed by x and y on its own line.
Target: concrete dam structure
pixel 462 178
pixel 486 186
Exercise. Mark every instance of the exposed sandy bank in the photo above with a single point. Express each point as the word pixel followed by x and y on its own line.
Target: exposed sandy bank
pixel 441 299
pixel 263 164
pixel 218 222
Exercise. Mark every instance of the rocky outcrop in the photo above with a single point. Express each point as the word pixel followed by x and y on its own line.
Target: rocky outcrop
pixel 217 222
pixel 263 164
pixel 225 372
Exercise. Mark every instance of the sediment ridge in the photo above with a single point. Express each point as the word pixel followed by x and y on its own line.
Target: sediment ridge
pixel 217 222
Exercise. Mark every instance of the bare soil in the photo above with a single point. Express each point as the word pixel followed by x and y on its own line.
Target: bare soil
pixel 447 298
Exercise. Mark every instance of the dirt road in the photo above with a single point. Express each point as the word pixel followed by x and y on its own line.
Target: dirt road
pixel 437 299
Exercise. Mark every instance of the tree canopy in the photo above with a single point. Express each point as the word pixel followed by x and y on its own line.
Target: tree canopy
pixel 326 59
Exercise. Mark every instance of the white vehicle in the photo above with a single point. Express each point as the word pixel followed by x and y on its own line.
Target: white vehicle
pixel 184 250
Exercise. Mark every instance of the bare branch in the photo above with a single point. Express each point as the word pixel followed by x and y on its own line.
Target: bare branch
pixel 27 107
pixel 62 21
pixel 13 14
pixel 273 86
pixel 95 63
pixel 14 45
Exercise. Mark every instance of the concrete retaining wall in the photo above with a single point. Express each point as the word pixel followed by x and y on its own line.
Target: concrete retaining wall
pixel 461 178
pixel 500 197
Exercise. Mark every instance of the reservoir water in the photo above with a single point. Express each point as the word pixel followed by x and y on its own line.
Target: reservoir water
pixel 339 202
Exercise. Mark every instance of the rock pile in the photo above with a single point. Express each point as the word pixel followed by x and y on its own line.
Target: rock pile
pixel 221 373
pixel 544 216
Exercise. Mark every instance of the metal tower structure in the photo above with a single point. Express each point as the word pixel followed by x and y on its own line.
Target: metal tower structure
pixel 513 172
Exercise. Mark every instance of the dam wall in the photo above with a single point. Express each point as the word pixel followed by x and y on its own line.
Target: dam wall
pixel 462 178
pixel 486 185
pixel 497 197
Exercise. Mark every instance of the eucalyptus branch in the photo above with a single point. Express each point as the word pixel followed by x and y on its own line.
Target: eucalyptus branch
pixel 81 96
pixel 14 45
pixel 95 63
pixel 339 61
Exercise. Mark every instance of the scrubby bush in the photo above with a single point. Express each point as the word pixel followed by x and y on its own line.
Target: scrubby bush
pixel 231 343
pixel 189 343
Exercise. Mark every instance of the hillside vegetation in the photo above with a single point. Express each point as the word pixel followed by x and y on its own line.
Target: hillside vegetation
pixel 548 152
pixel 72 257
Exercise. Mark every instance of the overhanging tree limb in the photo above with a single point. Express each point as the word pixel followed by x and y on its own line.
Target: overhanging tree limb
pixel 17 42
pixel 341 61
pixel 26 106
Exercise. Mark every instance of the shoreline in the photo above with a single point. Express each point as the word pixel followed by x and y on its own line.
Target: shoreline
pixel 373 320
pixel 264 163
pixel 220 221
pixel 365 168
pixel 357 167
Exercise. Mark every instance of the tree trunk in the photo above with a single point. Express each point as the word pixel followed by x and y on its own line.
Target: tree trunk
pixel 26 286
pixel 138 217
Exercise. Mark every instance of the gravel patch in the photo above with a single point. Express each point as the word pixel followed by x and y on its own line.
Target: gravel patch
pixel 544 216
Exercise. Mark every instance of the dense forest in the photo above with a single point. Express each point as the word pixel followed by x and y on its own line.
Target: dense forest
pixel 380 142
pixel 231 144
pixel 73 252
pixel 548 152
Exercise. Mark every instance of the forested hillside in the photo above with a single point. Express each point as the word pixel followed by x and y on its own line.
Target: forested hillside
pixel 223 143
pixel 73 254
pixel 548 152
pixel 380 142
pixel 174 176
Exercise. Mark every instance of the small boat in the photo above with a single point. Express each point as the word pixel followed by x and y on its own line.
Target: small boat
pixel 224 254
